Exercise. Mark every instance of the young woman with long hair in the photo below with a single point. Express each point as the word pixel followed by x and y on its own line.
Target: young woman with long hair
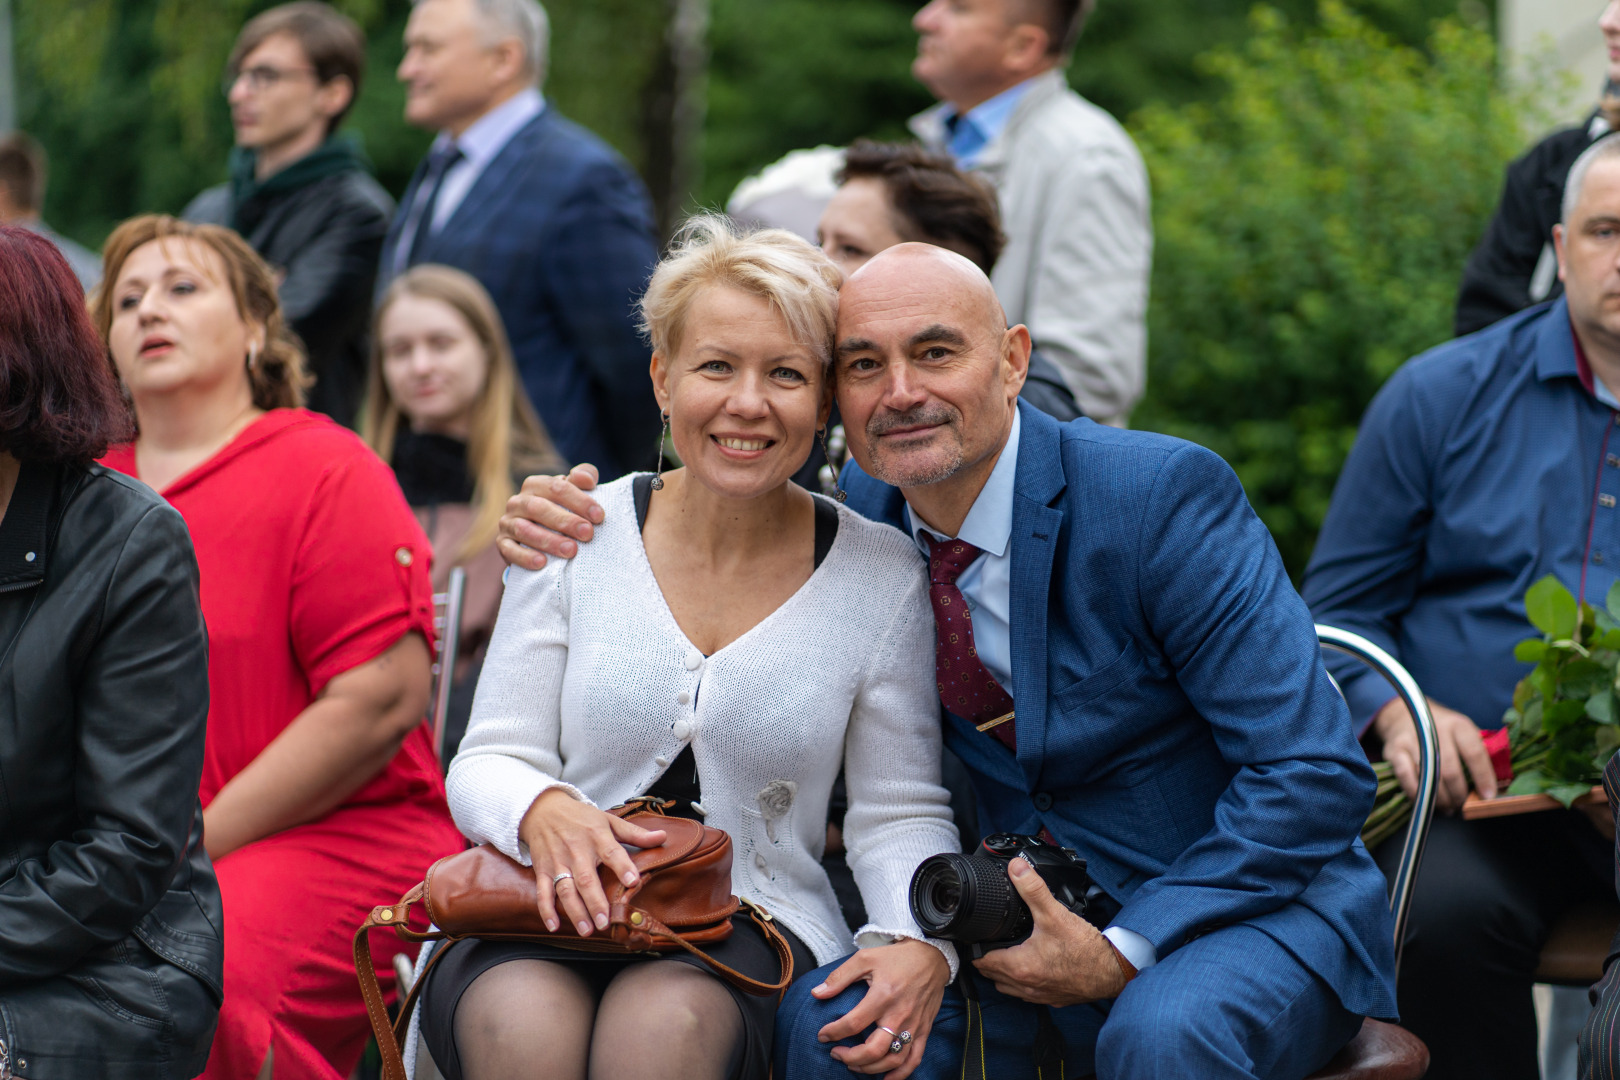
pixel 446 409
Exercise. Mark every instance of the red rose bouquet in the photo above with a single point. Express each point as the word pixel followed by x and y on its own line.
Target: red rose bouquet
pixel 1564 723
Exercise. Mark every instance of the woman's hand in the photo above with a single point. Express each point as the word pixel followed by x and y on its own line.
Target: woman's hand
pixel 564 834
pixel 907 984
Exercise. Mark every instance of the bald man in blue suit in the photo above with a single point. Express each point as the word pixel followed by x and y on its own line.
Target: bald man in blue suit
pixel 1173 724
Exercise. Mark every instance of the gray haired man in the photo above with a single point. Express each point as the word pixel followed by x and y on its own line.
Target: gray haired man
pixel 542 212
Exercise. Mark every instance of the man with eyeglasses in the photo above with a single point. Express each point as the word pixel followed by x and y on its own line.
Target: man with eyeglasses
pixel 302 195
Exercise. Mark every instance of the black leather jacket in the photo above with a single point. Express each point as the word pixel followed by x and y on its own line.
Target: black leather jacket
pixel 109 907
pixel 325 237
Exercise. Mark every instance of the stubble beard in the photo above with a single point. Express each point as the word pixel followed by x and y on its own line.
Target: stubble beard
pixel 895 473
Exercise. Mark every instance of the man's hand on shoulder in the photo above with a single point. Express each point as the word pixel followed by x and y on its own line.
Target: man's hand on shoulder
pixel 1066 961
pixel 547 516
pixel 1463 756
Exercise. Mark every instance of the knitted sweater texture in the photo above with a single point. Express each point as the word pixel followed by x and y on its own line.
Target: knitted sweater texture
pixel 591 686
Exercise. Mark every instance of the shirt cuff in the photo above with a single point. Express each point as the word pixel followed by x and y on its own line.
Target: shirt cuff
pixel 1136 948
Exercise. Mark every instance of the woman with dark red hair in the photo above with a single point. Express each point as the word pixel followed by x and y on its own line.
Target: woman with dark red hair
pixel 109 910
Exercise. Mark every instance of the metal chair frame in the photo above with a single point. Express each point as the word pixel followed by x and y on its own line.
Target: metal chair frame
pixel 1417 834
pixel 447 625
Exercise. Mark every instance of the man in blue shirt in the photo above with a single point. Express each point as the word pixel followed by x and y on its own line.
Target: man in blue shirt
pixel 1174 723
pixel 1073 189
pixel 1480 467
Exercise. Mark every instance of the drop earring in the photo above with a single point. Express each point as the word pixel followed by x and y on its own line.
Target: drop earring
pixel 838 493
pixel 253 356
pixel 658 477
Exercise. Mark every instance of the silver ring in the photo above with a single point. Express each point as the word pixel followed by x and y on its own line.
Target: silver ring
pixel 904 1037
pixel 896 1044
pixel 558 879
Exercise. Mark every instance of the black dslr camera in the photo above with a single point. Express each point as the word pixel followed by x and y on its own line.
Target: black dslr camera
pixel 970 899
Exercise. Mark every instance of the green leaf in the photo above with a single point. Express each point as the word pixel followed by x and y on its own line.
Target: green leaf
pixel 1612 602
pixel 1531 650
pixel 1532 718
pixel 1611 639
pixel 1544 681
pixel 1600 707
pixel 1606 740
pixel 1567 793
pixel 1533 782
pixel 1561 714
pixel 1551 608
pixel 1522 693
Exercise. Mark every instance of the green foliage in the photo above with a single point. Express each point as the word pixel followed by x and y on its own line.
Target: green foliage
pixel 1311 226
pixel 1563 725
pixel 124 93
pixel 1135 53
pixel 788 74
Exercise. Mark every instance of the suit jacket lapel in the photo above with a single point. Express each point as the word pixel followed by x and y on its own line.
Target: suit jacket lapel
pixel 480 201
pixel 1036 522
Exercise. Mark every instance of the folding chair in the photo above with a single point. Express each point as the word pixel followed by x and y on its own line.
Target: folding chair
pixel 1383 1051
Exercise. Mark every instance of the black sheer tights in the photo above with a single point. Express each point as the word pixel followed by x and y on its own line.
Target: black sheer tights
pixel 536 1020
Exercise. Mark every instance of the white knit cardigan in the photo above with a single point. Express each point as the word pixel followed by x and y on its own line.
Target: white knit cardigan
pixel 590 685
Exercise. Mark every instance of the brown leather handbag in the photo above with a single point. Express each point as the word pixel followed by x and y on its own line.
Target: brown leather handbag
pixel 682 901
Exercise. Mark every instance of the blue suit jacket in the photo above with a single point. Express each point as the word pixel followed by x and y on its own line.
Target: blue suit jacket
pixel 560 231
pixel 1175 724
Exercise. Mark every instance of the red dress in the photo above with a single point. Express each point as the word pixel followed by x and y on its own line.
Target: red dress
pixel 311 564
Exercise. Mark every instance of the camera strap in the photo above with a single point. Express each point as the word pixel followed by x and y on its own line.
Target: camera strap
pixel 1048 1050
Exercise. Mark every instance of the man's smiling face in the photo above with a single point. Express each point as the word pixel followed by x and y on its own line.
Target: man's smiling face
pixel 928 373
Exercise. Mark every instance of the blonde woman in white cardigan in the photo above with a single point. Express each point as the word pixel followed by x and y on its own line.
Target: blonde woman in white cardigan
pixel 729 641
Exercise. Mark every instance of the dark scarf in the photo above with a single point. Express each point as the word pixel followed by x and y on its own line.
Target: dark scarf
pixel 432 469
pixel 250 197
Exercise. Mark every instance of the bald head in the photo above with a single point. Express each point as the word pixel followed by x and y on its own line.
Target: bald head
pixel 951 282
pixel 928 374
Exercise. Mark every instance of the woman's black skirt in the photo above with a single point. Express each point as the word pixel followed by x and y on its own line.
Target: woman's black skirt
pixel 746 950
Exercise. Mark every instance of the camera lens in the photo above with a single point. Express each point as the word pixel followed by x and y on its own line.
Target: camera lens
pixel 967 898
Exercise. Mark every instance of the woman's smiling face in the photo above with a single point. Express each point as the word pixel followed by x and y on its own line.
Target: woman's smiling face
pixel 175 322
pixel 745 399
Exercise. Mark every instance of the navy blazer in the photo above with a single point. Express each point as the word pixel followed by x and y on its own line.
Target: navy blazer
pixel 1175 724
pixel 560 231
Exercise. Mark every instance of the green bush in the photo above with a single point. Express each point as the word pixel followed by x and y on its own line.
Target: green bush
pixel 1312 222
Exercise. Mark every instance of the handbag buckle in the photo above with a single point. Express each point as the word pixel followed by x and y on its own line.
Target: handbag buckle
pixel 747 903
pixel 649 803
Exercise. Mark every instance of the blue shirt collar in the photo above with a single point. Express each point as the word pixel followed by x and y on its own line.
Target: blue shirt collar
pixel 1559 355
pixel 489 134
pixel 988 525
pixel 990 118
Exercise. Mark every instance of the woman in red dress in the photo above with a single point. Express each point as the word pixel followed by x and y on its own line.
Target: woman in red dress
pixel 321 793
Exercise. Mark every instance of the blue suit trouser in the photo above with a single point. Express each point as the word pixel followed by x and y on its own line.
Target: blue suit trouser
pixel 1232 1004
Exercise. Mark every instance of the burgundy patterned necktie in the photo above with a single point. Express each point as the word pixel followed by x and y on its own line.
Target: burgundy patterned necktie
pixel 966 686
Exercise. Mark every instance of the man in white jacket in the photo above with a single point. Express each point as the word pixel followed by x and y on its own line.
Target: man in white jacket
pixel 1074 191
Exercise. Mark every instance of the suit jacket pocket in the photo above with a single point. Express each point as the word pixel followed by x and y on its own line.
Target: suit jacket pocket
pixel 1087 689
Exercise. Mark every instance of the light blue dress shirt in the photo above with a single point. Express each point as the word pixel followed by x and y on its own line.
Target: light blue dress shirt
pixel 479 145
pixel 975 129
pixel 987 588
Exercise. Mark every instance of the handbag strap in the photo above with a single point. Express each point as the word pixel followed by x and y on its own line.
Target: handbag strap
pixel 767 927
pixel 390 1037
